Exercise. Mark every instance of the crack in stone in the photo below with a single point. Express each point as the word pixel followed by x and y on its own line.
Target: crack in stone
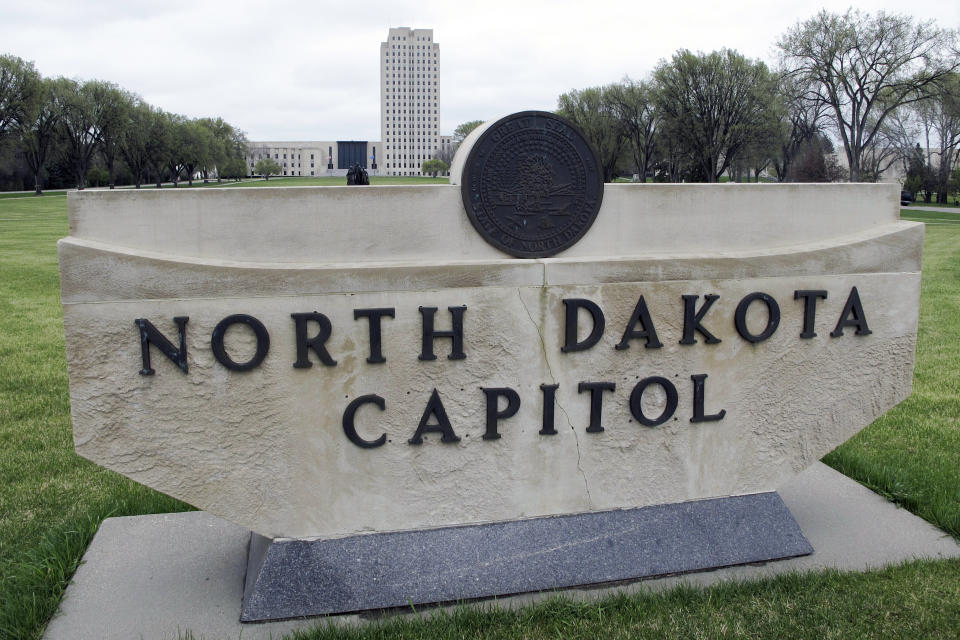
pixel 553 380
pixel 543 345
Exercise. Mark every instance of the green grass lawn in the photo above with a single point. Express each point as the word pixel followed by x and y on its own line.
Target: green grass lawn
pixel 331 181
pixel 951 202
pixel 18 195
pixel 51 501
pixel 316 181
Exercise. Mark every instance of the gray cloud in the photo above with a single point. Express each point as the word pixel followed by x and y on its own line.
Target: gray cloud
pixel 311 70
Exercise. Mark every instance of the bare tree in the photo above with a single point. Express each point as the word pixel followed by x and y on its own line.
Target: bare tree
pixel 801 120
pixel 865 67
pixel 939 118
pixel 444 153
pixel 883 152
pixel 901 132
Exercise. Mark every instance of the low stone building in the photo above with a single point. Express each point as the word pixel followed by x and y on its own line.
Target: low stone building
pixel 316 158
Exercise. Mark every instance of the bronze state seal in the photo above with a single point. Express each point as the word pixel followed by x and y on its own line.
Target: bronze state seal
pixel 532 184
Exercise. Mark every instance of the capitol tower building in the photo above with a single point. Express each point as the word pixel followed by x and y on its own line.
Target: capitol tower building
pixel 409 100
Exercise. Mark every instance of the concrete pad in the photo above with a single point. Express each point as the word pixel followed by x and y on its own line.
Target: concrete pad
pixel 151 577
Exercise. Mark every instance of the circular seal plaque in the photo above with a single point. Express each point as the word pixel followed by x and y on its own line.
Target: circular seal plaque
pixel 532 184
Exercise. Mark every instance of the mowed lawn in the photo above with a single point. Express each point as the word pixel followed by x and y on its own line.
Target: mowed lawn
pixel 320 181
pixel 51 500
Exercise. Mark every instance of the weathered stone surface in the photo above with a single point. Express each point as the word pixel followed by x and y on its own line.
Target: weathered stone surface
pixel 266 448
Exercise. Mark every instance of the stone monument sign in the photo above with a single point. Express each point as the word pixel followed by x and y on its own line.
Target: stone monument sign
pixel 325 365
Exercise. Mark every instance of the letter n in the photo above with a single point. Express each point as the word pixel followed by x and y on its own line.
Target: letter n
pixel 150 335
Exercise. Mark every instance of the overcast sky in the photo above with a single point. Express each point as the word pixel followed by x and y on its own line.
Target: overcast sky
pixel 310 70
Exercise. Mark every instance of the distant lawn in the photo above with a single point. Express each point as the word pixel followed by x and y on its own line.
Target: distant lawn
pixel 932 218
pixel 51 501
pixel 331 181
pixel 281 181
pixel 951 202
pixel 4 195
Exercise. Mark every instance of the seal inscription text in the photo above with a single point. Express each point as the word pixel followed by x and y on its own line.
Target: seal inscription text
pixel 532 184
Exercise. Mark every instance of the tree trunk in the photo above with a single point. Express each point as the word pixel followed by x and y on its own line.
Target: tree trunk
pixel 854 171
pixel 78 174
pixel 36 183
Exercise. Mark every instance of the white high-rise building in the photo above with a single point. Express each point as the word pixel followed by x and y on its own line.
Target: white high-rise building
pixel 409 100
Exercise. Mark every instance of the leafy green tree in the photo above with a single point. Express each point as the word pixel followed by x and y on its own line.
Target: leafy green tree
pixel 865 67
pixel 764 138
pixel 266 168
pixel 160 145
pixel 228 144
pixel 97 176
pixel 920 176
pixel 712 102
pixel 632 103
pixel 19 84
pixel 434 166
pixel 671 159
pixel 235 143
pixel 235 168
pixel 197 148
pixel 954 185
pixel 588 109
pixel 114 108
pixel 80 126
pixel 179 146
pixel 38 129
pixel 136 140
pixel 464 130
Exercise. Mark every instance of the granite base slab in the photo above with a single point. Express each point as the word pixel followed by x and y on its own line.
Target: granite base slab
pixel 293 578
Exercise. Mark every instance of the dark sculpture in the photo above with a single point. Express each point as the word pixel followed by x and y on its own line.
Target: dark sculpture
pixel 357 175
